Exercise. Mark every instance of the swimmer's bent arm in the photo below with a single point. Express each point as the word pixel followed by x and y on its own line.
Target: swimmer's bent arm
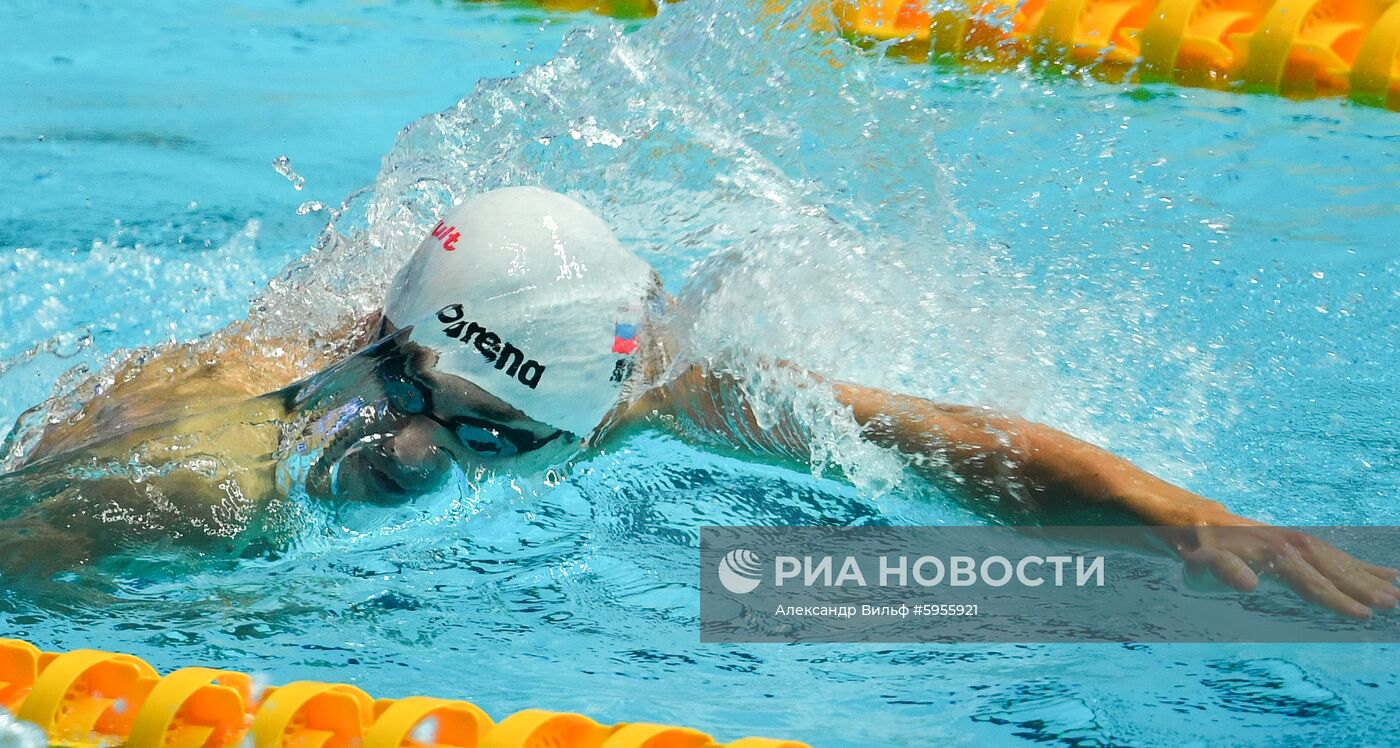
pixel 1023 464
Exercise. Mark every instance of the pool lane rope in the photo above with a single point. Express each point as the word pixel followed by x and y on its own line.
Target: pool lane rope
pixel 1295 48
pixel 88 698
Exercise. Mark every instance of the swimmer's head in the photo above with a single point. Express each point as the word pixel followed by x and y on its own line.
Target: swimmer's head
pixel 528 296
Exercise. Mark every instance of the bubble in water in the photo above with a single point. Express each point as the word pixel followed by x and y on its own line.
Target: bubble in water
pixel 310 206
pixel 283 166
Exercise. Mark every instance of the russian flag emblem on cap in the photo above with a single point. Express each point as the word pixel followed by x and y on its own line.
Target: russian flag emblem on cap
pixel 624 338
pixel 625 330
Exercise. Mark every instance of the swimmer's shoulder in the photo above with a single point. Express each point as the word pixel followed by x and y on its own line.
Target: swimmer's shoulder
pixel 167 384
pixel 651 390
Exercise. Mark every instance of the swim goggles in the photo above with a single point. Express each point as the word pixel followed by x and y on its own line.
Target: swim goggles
pixel 409 395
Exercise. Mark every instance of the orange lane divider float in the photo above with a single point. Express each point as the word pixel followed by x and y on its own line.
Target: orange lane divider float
pixel 1291 47
pixel 87 698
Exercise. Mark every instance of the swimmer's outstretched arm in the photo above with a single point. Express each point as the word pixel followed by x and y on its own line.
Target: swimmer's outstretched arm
pixel 1029 465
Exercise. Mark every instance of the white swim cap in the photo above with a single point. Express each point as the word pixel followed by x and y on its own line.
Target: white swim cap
pixel 528 295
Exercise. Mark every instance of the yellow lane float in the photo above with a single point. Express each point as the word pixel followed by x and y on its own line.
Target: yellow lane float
pixel 1297 48
pixel 88 698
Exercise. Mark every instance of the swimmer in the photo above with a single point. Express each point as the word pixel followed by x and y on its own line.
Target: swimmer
pixel 520 335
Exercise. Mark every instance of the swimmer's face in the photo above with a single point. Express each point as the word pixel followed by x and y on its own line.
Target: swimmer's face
pixel 483 425
pixel 430 420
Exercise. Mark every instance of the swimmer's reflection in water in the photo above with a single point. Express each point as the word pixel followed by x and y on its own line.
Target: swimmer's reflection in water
pixel 522 335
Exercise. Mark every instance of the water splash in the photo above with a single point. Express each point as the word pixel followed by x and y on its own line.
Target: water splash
pixel 426 731
pixel 283 165
pixel 70 366
pixel 17 734
pixel 748 158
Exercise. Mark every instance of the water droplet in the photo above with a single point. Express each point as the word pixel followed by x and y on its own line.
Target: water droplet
pixel 283 166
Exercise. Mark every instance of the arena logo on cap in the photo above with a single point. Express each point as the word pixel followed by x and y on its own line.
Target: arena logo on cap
pixel 507 357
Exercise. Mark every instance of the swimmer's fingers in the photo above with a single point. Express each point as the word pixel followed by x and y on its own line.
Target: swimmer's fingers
pixel 1352 576
pixel 1310 567
pixel 1297 554
pixel 1295 571
pixel 1227 567
pixel 1384 572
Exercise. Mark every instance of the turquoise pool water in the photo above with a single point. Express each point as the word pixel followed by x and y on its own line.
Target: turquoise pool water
pixel 1206 283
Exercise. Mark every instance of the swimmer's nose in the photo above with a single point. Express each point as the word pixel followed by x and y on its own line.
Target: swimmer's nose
pixel 412 459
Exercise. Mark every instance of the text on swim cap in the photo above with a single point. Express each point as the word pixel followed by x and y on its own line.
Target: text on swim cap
pixel 446 234
pixel 507 357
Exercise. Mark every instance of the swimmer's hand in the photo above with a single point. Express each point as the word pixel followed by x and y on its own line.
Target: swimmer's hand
pixel 1237 555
